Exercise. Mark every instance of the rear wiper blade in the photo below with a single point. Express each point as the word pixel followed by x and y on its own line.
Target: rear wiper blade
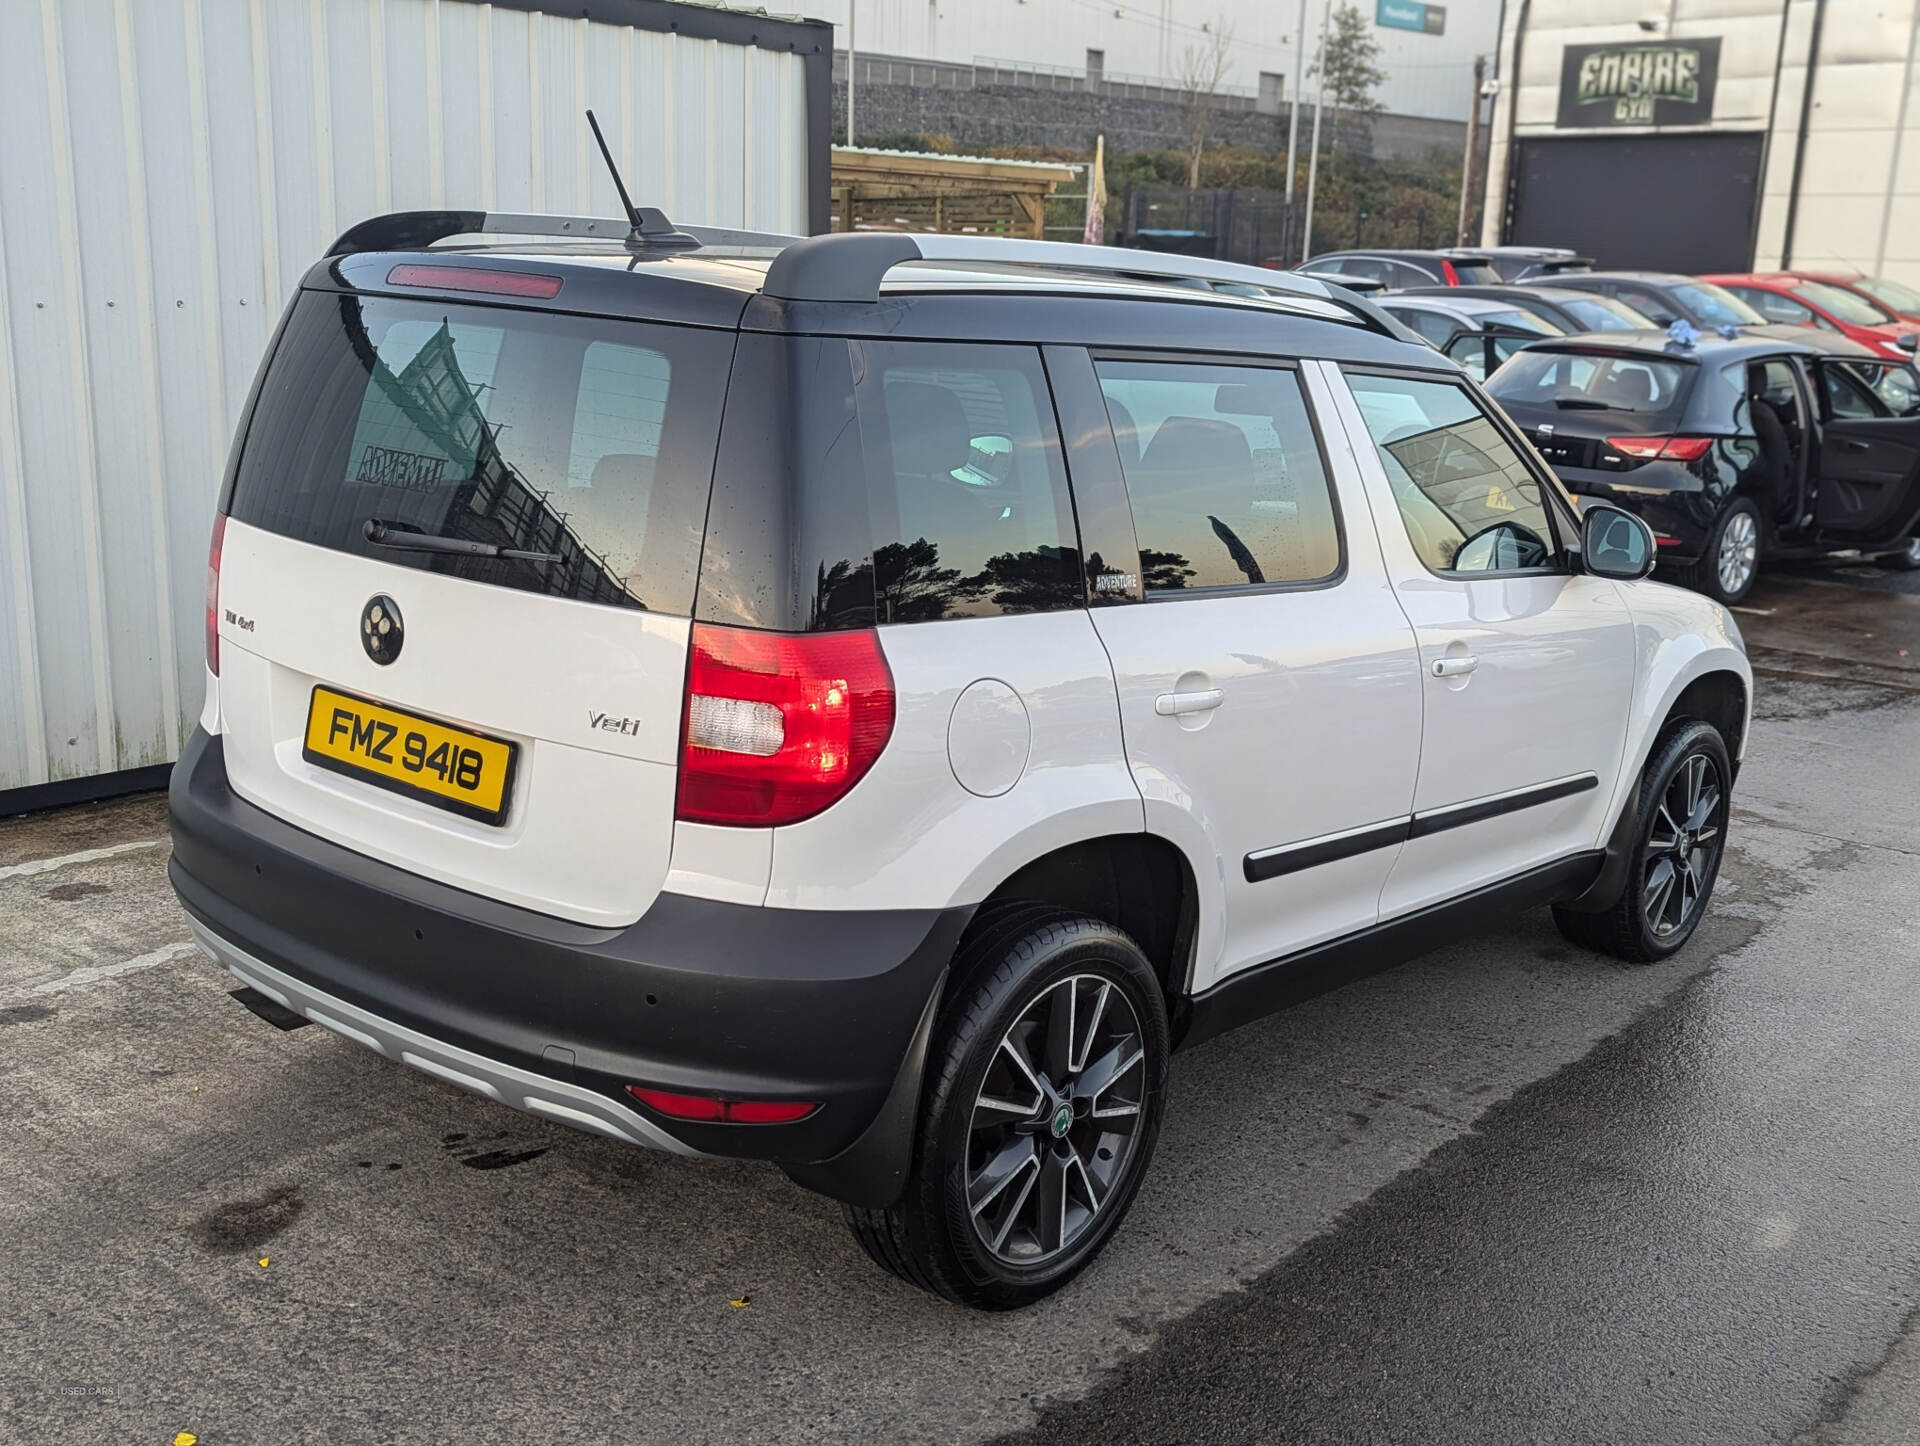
pixel 1581 404
pixel 382 534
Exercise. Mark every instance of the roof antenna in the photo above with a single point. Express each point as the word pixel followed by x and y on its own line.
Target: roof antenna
pixel 651 228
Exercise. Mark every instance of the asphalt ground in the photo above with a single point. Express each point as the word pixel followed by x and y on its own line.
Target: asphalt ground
pixel 1510 1192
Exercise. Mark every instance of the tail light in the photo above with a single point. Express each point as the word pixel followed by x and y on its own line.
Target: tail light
pixel 213 592
pixel 779 726
pixel 1447 273
pixel 1673 449
pixel 711 1109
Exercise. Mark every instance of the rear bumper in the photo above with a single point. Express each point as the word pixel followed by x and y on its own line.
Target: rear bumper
pixel 557 1018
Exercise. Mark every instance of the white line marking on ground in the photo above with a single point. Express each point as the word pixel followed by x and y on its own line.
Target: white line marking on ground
pixel 94 972
pixel 85 856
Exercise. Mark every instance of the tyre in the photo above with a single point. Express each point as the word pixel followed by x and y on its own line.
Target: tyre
pixel 1907 559
pixel 1676 852
pixel 1730 561
pixel 1044 1092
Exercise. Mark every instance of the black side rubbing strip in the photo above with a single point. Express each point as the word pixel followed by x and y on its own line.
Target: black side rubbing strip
pixel 1478 810
pixel 1291 858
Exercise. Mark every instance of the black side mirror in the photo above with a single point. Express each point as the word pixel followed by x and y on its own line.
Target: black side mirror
pixel 1908 341
pixel 1615 544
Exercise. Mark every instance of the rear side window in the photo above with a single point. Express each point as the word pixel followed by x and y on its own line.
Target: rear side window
pixel 1585 381
pixel 876 482
pixel 1224 473
pixel 966 484
pixel 587 443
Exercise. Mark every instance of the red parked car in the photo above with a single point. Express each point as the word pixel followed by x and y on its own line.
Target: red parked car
pixel 1892 297
pixel 1790 298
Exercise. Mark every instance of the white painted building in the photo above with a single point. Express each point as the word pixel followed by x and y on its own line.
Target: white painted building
pixel 1429 74
pixel 1791 133
pixel 168 171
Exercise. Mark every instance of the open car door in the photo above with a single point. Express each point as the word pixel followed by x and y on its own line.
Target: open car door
pixel 1869 458
pixel 1482 353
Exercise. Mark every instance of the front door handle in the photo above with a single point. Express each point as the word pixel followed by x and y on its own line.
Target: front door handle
pixel 1852 444
pixel 1454 667
pixel 1169 705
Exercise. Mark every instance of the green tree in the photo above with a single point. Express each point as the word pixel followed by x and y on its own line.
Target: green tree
pixel 1348 65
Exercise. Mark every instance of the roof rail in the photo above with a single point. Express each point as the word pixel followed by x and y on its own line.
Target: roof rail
pixel 417 230
pixel 849 266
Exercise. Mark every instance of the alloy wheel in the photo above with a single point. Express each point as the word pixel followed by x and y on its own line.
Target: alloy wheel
pixel 1739 553
pixel 1054 1124
pixel 1683 846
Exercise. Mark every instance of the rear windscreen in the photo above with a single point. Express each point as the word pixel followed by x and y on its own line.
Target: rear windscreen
pixel 1582 381
pixel 1476 273
pixel 587 444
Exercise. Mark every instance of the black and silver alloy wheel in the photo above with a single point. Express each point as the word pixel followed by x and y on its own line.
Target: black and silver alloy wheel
pixel 1683 846
pixel 1053 1122
pixel 1045 1084
pixel 1670 858
pixel 1739 554
pixel 1731 554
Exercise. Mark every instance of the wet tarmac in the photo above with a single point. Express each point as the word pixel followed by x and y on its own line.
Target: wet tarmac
pixel 1511 1192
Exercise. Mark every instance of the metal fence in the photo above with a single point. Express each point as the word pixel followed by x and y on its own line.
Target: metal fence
pixel 1252 226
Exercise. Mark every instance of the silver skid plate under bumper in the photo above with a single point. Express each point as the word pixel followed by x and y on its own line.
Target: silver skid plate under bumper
pixel 503 1083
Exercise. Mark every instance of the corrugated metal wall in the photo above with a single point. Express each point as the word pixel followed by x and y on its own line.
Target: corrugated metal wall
pixel 170 168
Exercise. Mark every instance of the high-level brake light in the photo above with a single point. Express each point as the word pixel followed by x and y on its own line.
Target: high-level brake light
pixel 475 278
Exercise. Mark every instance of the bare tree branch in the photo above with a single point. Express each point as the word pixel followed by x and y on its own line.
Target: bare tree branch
pixel 1202 67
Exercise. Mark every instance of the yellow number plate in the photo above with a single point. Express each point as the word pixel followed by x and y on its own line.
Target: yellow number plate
pixel 468 773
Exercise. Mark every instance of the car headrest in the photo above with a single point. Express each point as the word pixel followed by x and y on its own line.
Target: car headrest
pixel 927 429
pixel 1199 445
pixel 1126 434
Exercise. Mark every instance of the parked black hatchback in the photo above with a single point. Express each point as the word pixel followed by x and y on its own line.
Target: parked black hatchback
pixel 1780 442
pixel 1662 296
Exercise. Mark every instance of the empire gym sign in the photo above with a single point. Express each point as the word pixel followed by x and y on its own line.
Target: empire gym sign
pixel 1646 83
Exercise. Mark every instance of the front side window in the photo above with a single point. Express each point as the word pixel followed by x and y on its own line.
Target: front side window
pixel 1469 503
pixel 1224 474
pixel 1863 388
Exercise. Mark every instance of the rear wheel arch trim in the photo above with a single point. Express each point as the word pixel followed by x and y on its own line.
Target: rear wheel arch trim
pixel 1171 945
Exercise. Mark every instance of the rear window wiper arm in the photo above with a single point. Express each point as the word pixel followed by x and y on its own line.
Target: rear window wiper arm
pixel 382 534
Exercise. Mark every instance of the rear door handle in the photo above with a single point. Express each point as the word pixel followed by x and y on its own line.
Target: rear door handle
pixel 1169 705
pixel 1852 444
pixel 1454 667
